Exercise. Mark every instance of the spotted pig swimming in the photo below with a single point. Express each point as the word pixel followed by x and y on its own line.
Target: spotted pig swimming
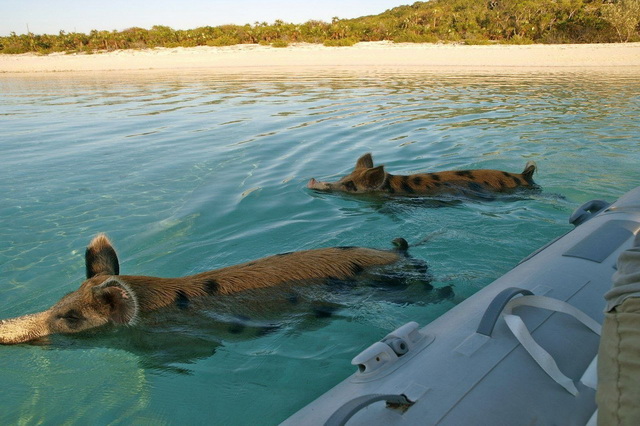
pixel 368 179
pixel 106 297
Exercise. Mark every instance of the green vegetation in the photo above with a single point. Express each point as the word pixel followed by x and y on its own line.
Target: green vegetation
pixel 280 43
pixel 340 42
pixel 624 16
pixel 463 21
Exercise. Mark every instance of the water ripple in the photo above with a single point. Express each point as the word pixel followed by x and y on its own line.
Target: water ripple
pixel 191 172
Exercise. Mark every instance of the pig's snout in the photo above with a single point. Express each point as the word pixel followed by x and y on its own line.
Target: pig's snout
pixel 317 185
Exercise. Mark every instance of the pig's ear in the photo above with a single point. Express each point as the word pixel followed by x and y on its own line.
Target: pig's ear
pixel 100 258
pixel 374 177
pixel 120 300
pixel 364 162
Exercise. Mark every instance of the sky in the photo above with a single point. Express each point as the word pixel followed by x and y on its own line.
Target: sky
pixel 51 16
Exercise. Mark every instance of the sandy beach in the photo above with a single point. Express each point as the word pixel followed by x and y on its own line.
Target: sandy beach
pixel 366 56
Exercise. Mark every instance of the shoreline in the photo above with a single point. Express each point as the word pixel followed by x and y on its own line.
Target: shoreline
pixel 302 57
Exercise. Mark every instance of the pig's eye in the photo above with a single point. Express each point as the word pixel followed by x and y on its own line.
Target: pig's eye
pixel 350 186
pixel 72 316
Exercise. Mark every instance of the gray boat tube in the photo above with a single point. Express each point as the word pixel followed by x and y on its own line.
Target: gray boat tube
pixel 467 367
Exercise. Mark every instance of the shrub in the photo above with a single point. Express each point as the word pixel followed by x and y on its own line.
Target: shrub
pixel 340 42
pixel 518 39
pixel 280 43
pixel 477 41
pixel 415 38
pixel 223 41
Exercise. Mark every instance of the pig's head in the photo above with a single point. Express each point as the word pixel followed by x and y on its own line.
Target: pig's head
pixel 364 178
pixel 103 298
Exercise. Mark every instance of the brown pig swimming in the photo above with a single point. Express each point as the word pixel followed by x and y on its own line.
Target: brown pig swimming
pixel 107 297
pixel 366 178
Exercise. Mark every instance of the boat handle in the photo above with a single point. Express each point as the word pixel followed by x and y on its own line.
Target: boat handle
pixel 344 413
pixel 495 308
pixel 587 211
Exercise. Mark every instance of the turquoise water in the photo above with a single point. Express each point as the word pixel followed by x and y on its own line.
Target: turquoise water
pixel 192 172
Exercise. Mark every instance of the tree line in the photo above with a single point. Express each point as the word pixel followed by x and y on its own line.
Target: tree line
pixel 462 21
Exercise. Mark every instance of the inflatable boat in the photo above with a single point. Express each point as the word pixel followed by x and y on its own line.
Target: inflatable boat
pixel 522 351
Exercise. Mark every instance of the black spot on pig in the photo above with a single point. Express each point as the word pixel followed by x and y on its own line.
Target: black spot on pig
pixel 406 187
pixel 356 268
pixel 386 187
pixel 465 173
pixel 182 301
pixel 211 286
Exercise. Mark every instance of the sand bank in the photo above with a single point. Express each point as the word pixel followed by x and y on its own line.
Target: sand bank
pixel 302 57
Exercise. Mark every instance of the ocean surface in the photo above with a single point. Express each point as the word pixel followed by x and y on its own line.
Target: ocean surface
pixel 191 172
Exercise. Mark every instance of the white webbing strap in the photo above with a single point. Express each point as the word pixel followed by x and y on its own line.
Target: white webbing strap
pixel 542 357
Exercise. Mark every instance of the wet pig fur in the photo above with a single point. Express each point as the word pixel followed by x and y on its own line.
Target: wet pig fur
pixel 367 178
pixel 106 297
